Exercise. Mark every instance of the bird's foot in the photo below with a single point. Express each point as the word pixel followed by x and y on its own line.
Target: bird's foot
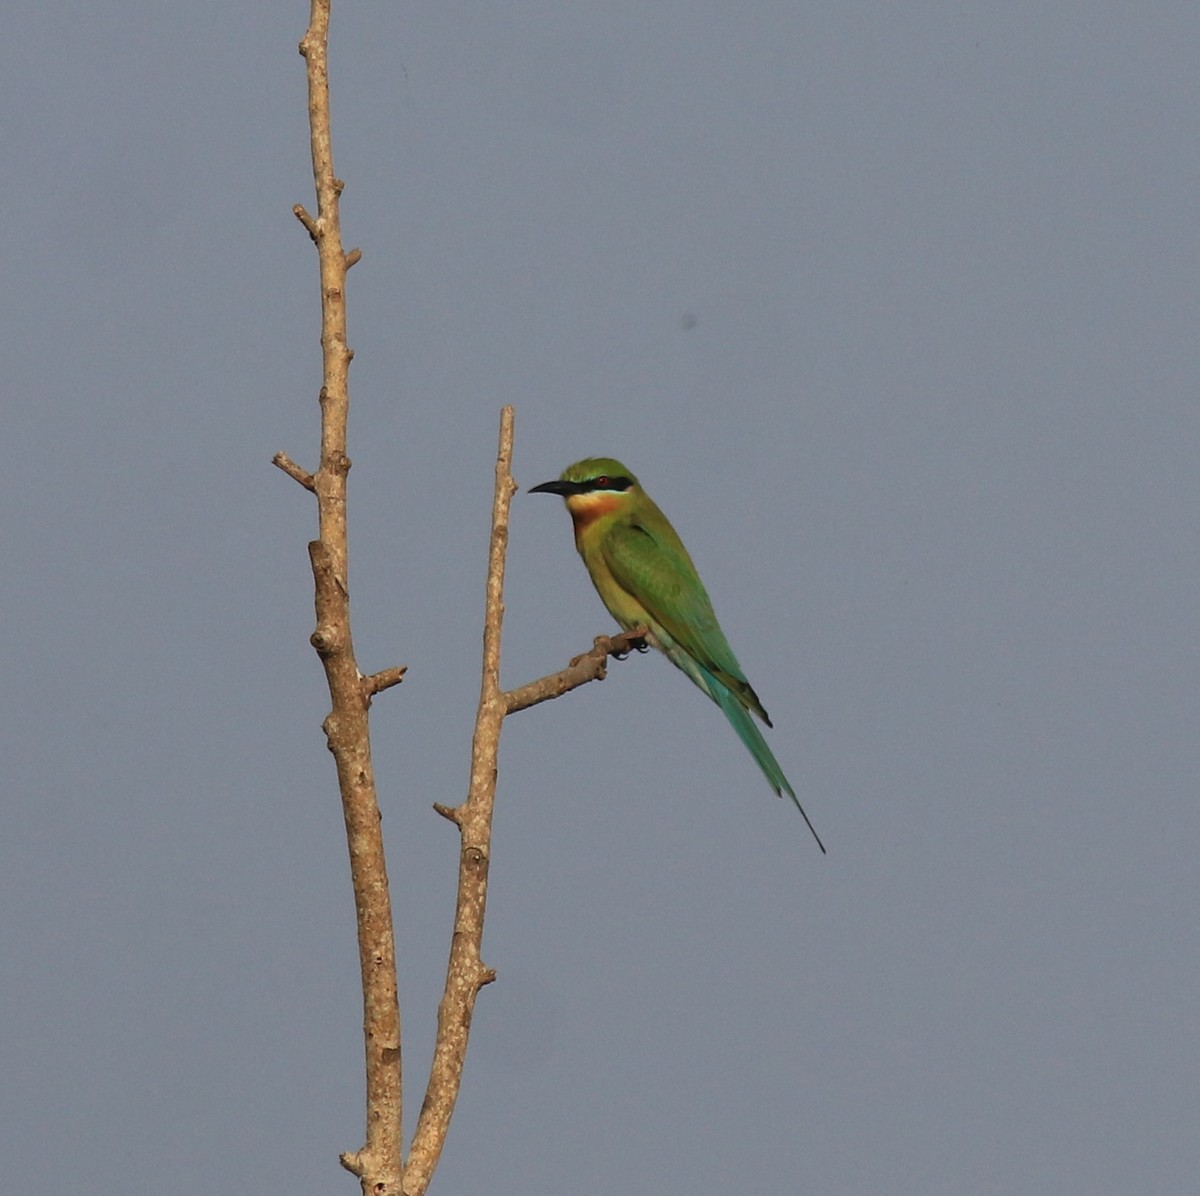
pixel 637 643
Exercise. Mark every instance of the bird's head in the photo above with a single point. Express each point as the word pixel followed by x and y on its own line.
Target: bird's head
pixel 592 487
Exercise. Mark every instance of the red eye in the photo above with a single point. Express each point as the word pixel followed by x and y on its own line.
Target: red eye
pixel 603 482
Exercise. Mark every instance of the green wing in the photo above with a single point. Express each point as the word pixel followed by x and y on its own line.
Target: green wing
pixel 652 564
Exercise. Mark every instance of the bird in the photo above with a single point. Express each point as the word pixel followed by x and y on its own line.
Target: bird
pixel 646 578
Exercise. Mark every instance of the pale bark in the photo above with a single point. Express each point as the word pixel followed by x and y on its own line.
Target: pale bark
pixel 379 1163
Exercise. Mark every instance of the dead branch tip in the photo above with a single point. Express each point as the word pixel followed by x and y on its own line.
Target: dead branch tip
pixel 284 462
pixel 309 223
pixel 384 679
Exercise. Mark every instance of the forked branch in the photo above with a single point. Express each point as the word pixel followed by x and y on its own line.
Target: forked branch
pixel 379 1165
pixel 466 973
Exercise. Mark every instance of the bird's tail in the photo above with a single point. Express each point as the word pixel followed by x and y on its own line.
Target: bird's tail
pixel 748 732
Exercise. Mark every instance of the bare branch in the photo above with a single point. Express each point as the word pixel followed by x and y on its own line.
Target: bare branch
pixel 294 471
pixel 301 214
pixel 377 682
pixel 465 973
pixel 591 666
pixel 378 1164
pixel 450 813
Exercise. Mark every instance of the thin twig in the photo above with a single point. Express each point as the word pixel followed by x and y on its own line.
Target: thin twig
pixel 466 973
pixel 299 210
pixel 591 666
pixel 294 471
pixel 376 683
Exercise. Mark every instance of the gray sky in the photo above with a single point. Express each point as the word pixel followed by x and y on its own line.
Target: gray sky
pixel 931 437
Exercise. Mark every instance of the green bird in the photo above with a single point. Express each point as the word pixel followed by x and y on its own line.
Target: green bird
pixel 646 578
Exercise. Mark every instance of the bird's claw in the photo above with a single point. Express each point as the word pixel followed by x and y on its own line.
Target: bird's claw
pixel 639 644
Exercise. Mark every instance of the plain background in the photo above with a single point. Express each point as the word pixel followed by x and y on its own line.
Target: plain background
pixel 893 308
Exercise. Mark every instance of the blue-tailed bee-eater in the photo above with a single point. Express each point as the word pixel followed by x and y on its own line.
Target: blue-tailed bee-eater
pixel 646 578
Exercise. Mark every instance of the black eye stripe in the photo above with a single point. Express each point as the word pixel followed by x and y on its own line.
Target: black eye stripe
pixel 605 482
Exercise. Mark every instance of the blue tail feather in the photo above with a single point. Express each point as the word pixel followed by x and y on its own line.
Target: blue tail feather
pixel 741 721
